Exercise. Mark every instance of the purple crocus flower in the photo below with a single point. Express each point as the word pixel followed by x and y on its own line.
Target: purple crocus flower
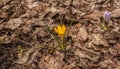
pixel 107 15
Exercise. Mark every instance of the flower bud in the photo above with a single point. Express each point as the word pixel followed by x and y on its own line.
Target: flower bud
pixel 107 16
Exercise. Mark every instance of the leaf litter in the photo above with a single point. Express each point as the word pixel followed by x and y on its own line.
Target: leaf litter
pixel 23 23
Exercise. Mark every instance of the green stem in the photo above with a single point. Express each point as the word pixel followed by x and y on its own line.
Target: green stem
pixel 62 45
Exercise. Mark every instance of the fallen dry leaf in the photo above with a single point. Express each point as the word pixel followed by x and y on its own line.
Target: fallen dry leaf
pixel 94 16
pixel 106 64
pixel 84 54
pixel 14 23
pixel 50 62
pixel 116 13
pixel 83 33
pixel 23 59
pixel 99 40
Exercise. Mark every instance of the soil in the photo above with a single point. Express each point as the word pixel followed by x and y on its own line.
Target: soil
pixel 26 41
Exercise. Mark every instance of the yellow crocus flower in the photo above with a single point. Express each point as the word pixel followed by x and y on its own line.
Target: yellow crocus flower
pixel 61 30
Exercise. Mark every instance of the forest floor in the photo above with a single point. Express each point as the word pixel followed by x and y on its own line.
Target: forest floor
pixel 26 43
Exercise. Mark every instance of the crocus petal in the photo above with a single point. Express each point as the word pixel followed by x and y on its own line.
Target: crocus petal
pixel 63 28
pixel 59 28
pixel 56 30
pixel 107 16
